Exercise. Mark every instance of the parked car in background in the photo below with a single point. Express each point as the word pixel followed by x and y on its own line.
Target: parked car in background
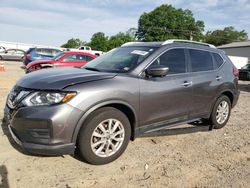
pixel 34 54
pixel 244 72
pixel 12 54
pixel 88 50
pixel 2 49
pixel 63 59
pixel 132 90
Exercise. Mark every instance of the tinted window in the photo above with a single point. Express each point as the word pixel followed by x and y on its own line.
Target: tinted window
pixel 201 60
pixel 89 58
pixel 54 52
pixel 38 50
pixel 71 58
pixel 81 57
pixel 218 60
pixel 173 59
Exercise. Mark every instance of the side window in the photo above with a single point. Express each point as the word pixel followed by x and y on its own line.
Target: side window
pixel 48 52
pixel 218 60
pixel 18 52
pixel 54 52
pixel 81 57
pixel 173 59
pixel 71 58
pixel 201 60
pixel 89 58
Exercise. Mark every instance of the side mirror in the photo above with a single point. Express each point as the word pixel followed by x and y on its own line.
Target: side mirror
pixel 157 71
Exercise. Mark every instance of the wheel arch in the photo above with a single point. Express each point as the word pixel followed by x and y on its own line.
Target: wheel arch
pixel 44 65
pixel 229 94
pixel 124 107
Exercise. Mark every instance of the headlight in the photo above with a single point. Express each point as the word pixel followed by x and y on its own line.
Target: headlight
pixel 47 98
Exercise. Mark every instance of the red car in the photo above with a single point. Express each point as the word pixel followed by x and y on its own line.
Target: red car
pixel 62 59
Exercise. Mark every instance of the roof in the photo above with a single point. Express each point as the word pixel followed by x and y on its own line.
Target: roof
pixel 148 44
pixel 162 43
pixel 236 44
pixel 79 52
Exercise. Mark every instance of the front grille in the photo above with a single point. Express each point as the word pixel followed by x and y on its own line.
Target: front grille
pixel 15 96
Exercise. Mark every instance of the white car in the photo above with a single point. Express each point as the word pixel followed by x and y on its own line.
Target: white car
pixel 88 50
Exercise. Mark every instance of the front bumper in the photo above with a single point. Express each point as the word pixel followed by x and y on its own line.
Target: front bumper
pixel 46 130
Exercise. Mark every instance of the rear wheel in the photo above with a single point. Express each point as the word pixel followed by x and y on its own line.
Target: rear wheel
pixel 221 112
pixel 104 136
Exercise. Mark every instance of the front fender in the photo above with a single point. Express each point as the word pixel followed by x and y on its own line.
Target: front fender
pixel 93 108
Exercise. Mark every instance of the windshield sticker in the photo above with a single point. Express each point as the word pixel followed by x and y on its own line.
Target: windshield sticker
pixel 139 52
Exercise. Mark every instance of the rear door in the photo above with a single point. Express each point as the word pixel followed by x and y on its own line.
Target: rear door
pixel 166 99
pixel 205 81
pixel 18 55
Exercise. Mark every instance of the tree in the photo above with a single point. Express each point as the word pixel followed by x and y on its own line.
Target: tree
pixel 132 32
pixel 225 36
pixel 99 41
pixel 119 39
pixel 73 43
pixel 166 22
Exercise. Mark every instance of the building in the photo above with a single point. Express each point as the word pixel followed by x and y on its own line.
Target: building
pixel 238 52
pixel 239 49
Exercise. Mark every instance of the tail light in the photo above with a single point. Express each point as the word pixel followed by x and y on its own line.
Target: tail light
pixel 27 56
pixel 235 72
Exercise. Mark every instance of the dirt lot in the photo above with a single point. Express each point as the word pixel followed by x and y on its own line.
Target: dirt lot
pixel 218 158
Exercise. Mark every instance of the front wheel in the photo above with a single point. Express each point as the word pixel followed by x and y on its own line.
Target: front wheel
pixel 104 136
pixel 221 112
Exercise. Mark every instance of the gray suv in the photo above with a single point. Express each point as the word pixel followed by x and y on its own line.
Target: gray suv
pixel 132 90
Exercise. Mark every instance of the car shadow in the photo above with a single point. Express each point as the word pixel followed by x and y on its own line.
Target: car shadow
pixel 244 87
pixel 4 176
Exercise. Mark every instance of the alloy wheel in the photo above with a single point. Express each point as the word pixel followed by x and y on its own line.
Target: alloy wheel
pixel 107 138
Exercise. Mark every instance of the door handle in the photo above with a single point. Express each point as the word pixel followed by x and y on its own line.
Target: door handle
pixel 186 84
pixel 218 78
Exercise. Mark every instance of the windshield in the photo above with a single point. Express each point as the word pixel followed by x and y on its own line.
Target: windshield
pixel 58 56
pixel 121 59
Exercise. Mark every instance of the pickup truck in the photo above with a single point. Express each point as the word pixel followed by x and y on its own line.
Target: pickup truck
pixel 88 50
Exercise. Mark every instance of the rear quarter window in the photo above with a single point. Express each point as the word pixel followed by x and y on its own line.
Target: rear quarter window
pixel 201 60
pixel 218 60
pixel 89 58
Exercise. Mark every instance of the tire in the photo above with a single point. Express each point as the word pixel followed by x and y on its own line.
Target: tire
pixel 1 58
pixel 220 120
pixel 94 124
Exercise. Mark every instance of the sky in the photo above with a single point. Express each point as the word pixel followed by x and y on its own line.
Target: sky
pixel 53 22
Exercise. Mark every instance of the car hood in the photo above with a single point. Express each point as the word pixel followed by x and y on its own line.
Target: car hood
pixel 59 78
pixel 39 62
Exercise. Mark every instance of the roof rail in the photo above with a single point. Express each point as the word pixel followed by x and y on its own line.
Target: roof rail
pixel 128 43
pixel 187 41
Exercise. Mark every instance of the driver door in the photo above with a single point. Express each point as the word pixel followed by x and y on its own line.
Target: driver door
pixel 165 100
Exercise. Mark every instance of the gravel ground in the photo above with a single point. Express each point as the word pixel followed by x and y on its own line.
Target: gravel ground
pixel 218 158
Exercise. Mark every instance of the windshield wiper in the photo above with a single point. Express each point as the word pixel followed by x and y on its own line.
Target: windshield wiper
pixel 91 68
